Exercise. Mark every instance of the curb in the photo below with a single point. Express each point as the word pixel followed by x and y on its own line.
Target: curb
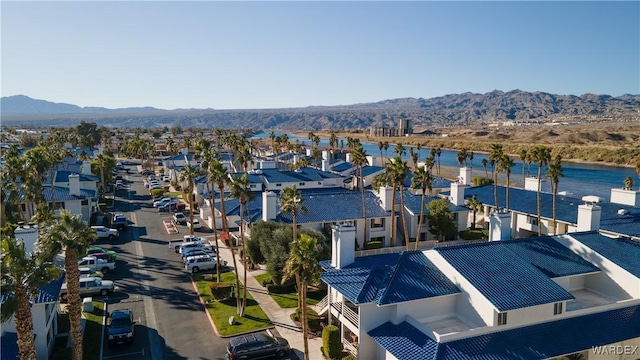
pixel 213 325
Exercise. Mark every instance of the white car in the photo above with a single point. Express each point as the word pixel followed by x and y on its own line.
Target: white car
pixel 192 253
pixel 196 224
pixel 164 200
pixel 203 262
pixel 105 232
pixel 166 178
pixel 194 246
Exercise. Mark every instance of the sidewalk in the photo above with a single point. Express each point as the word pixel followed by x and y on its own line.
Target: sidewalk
pixel 279 316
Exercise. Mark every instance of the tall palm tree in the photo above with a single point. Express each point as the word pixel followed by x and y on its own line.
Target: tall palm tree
pixel 102 163
pixel 554 174
pixel 462 157
pixel 505 163
pixel 71 234
pixel 422 179
pixel 399 149
pixel 303 265
pixel 638 166
pixel 385 146
pixel 628 181
pixel 22 273
pixel 398 171
pixel 494 157
pixel 541 155
pixel 438 153
pixel 209 157
pixel 523 158
pixel 380 147
pixel 189 174
pixel 475 205
pixel 484 163
pixel 291 202
pixel 241 190
pixel 360 160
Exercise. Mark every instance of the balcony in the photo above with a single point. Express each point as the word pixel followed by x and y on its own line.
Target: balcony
pixel 348 311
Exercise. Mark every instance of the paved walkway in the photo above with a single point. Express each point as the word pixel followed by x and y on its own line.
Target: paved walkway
pixel 279 316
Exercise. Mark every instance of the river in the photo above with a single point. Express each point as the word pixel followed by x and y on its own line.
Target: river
pixel 579 179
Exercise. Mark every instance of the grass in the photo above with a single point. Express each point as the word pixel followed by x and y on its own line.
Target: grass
pixel 220 311
pixel 93 332
pixel 476 234
pixel 289 300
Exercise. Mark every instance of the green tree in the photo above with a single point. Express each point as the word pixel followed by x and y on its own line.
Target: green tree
pixel 291 202
pixel 360 160
pixel 475 205
pixel 523 158
pixel 74 236
pixel 484 163
pixel 209 158
pixel 541 155
pixel 303 265
pixel 423 180
pixel 505 163
pixel 494 158
pixel 397 171
pixel 554 174
pixel 440 221
pixel 241 190
pixel 21 274
pixel 189 174
pixel 87 134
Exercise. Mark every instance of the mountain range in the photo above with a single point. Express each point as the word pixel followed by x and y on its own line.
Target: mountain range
pixel 453 109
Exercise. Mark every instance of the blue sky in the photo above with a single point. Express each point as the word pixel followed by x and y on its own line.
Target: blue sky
pixel 235 55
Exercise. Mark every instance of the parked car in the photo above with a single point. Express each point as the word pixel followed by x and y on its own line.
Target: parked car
pixel 166 178
pixel 163 200
pixel 95 263
pixel 112 255
pixel 120 222
pixel 86 272
pixel 195 225
pixel 175 244
pixel 204 262
pixel 90 286
pixel 120 326
pixel 146 172
pixel 194 246
pixel 172 206
pixel 179 218
pixel 186 255
pixel 257 346
pixel 105 233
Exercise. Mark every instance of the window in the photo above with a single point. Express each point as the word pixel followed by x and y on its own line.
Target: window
pixel 502 318
pixel 557 308
pixel 85 202
pixel 301 184
pixel 377 223
pixel 278 185
pixel 57 205
pixel 532 220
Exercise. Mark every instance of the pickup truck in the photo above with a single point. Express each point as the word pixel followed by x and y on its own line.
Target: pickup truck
pixel 105 233
pixel 175 244
pixel 96 264
pixel 90 286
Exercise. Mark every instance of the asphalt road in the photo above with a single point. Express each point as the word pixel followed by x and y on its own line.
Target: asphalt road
pixel 171 321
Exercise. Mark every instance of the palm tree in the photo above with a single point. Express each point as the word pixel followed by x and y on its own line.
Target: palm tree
pixel 422 179
pixel 102 163
pixel 21 274
pixel 484 163
pixel 291 202
pixel 542 156
pixel 303 265
pixel 241 190
pixel 399 149
pixel 638 167
pixel 385 145
pixel 360 160
pixel 470 156
pixel 523 158
pixel 438 153
pixel 505 163
pixel 494 157
pixel 189 174
pixel 554 174
pixel 475 205
pixel 462 157
pixel 71 234
pixel 209 157
pixel 398 170
pixel 628 181
pixel 380 147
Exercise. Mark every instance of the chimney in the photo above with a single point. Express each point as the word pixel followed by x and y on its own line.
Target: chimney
pixel 296 158
pixel 86 167
pixel 457 194
pixel 531 183
pixel 343 249
pixel 184 151
pixel 499 226
pixel 625 197
pixel 74 184
pixel 269 201
pixel 308 151
pixel 386 195
pixel 325 155
pixel 589 217
pixel 465 175
pixel 348 157
pixel 325 165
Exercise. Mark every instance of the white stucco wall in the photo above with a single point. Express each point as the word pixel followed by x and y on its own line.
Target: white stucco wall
pixel 427 309
pixel 372 316
pixel 571 283
pixel 531 314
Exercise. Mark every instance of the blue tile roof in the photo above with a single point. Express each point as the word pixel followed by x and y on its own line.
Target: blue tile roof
pixel 63 176
pixel 59 194
pixel 343 167
pixel 550 257
pixel 506 280
pixel 413 202
pixel 371 169
pixel 625 253
pixel 540 341
pixel 46 293
pixel 9 346
pixel 389 279
pixel 525 201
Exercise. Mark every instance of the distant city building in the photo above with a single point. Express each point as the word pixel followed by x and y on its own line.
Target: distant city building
pixel 404 128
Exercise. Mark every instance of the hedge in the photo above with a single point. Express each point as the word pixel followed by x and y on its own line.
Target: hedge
pixel 373 245
pixel 221 291
pixel 331 344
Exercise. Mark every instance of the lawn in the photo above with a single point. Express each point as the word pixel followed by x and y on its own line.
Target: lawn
pixel 288 300
pixel 93 332
pixel 254 319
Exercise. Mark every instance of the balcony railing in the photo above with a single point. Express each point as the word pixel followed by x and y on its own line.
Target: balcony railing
pixel 346 311
pixel 321 304
pixel 350 347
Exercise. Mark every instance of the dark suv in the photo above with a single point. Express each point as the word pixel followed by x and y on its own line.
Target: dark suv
pixel 257 346
pixel 120 327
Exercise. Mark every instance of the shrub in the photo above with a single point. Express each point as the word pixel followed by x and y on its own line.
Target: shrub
pixel 280 289
pixel 479 181
pixel 314 321
pixel 373 245
pixel 331 344
pixel 221 291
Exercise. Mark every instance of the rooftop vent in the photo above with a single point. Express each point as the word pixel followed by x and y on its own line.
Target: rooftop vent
pixel 592 199
pixel 623 212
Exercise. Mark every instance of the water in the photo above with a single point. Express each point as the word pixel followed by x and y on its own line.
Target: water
pixel 579 179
